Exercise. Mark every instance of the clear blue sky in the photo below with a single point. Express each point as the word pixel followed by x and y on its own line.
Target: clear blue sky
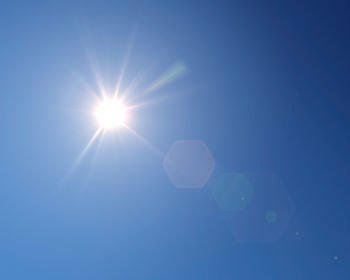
pixel 266 88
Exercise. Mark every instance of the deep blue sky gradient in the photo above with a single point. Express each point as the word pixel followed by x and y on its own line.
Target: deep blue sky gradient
pixel 266 88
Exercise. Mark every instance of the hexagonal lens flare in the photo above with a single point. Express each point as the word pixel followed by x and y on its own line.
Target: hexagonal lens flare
pixel 189 164
pixel 255 207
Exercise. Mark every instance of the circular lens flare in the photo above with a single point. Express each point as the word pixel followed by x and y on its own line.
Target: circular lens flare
pixel 110 113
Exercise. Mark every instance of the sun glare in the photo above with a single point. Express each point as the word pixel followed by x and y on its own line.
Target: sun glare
pixel 110 113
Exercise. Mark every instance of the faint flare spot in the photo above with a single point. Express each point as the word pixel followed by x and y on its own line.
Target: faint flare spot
pixel 232 192
pixel 189 164
pixel 335 258
pixel 271 216
pixel 256 207
pixel 173 73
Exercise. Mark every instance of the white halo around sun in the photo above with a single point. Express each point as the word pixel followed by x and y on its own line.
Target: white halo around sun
pixel 110 113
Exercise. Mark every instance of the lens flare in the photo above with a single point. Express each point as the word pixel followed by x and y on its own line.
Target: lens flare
pixel 116 106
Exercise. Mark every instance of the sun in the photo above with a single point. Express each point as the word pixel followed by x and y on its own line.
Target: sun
pixel 117 105
pixel 110 113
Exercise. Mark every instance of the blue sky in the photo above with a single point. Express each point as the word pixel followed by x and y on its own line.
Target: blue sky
pixel 264 87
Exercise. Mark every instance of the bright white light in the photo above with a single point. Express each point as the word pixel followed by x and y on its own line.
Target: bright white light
pixel 110 113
